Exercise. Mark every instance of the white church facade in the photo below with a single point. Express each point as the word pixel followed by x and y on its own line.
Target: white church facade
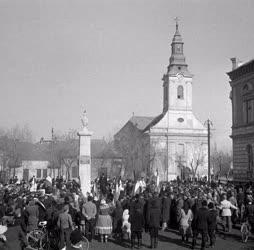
pixel 173 144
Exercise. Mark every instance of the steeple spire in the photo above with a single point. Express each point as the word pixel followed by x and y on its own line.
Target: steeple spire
pixel 177 62
pixel 177 19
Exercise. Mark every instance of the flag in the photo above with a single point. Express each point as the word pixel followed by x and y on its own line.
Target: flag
pixel 136 189
pixel 157 177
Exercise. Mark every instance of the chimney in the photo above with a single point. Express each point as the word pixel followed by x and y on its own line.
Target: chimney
pixel 234 61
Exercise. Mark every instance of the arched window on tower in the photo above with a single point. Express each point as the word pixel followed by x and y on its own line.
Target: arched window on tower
pixel 180 92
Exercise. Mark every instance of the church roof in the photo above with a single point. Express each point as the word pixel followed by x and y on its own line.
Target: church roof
pixel 154 121
pixel 141 122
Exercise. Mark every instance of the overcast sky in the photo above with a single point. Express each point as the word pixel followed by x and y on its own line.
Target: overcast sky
pixel 57 57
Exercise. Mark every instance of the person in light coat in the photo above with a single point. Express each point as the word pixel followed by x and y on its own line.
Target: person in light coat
pixel 185 223
pixel 226 213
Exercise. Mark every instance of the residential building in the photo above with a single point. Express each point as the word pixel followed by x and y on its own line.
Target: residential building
pixel 242 97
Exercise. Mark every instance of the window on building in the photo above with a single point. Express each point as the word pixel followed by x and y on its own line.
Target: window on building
pixel 248 111
pixel 249 150
pixel 245 88
pixel 38 173
pixel 74 172
pixel 180 150
pixel 180 92
pixel 26 174
pixel 44 173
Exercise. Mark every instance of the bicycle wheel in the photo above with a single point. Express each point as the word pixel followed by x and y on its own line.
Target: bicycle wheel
pixel 44 243
pixel 34 239
pixel 83 245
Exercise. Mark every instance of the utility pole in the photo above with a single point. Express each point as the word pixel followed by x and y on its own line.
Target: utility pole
pixel 209 124
pixel 51 141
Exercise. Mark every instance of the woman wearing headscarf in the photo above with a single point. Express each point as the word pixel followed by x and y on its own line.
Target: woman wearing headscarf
pixel 104 221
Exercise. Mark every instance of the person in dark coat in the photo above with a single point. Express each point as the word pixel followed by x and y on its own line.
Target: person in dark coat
pixel 249 214
pixel 33 216
pixel 200 225
pixel 212 223
pixel 166 204
pixel 103 184
pixel 117 219
pixel 153 218
pixel 137 222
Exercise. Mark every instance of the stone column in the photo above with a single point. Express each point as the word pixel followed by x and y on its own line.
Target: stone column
pixel 85 157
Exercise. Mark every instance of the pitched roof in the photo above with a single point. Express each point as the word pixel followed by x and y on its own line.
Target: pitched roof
pixel 141 122
pixel 154 121
pixel 97 146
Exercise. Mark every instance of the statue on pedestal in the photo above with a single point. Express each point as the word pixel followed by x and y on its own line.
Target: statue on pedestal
pixel 84 120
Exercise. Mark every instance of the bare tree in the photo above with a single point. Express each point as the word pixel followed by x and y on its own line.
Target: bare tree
pixel 65 153
pixel 220 162
pixel 197 158
pixel 15 143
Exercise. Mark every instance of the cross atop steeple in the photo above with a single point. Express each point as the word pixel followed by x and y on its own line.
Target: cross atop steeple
pixel 176 20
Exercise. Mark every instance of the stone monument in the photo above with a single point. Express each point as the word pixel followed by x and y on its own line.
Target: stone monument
pixel 85 156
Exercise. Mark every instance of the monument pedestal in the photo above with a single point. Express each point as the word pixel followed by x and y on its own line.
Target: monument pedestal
pixel 85 160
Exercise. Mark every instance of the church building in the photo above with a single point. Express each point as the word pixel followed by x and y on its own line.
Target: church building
pixel 174 143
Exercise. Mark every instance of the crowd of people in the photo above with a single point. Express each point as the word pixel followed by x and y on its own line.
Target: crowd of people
pixel 123 210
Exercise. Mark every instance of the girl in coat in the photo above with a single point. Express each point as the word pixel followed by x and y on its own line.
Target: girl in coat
pixel 185 223
pixel 126 227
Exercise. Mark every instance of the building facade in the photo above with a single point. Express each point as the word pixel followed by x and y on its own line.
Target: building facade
pixel 37 162
pixel 174 143
pixel 242 97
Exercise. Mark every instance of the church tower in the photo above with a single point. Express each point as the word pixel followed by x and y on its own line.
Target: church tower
pixel 177 82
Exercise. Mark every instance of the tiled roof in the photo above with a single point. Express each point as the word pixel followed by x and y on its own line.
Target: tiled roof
pixel 154 121
pixel 101 149
pixel 141 122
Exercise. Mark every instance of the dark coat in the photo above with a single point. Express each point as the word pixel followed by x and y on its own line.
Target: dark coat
pixel 166 204
pixel 117 216
pixel 212 219
pixel 154 212
pixel 136 217
pixel 200 221
pixel 249 213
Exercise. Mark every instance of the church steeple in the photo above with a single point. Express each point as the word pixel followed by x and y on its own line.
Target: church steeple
pixel 177 62
pixel 177 82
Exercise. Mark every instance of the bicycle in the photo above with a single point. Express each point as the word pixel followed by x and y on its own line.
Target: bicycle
pixel 82 245
pixel 38 238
